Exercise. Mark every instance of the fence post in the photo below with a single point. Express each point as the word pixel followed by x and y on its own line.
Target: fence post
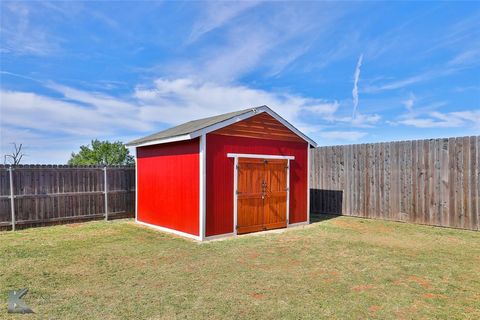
pixel 12 197
pixel 106 191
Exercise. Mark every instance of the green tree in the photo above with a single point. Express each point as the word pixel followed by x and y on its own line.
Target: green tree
pixel 102 153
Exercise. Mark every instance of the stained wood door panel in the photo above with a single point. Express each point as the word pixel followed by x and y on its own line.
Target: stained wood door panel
pixel 261 194
pixel 249 215
pixel 275 208
pixel 250 195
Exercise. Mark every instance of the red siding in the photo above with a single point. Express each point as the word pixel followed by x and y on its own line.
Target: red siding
pixel 220 177
pixel 168 185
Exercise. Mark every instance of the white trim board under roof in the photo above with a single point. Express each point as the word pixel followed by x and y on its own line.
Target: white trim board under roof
pixel 197 128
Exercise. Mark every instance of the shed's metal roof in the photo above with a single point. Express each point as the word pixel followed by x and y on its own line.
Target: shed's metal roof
pixel 195 128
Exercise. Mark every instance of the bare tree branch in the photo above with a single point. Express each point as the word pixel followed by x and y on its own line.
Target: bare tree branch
pixel 16 156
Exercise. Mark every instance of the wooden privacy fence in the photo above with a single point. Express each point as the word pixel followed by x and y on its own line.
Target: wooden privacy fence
pixel 49 194
pixel 434 182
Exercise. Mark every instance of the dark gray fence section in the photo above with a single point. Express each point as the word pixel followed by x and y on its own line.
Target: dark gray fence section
pixel 433 182
pixel 51 194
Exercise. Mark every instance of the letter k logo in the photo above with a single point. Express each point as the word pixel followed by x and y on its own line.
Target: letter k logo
pixel 15 303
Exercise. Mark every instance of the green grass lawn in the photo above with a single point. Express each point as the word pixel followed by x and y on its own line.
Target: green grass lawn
pixel 335 268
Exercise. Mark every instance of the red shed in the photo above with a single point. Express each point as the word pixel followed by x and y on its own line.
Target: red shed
pixel 238 172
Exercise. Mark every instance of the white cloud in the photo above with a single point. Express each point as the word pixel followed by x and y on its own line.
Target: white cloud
pixel 360 121
pixel 355 85
pixel 218 14
pixel 399 83
pixel 444 120
pixel 365 120
pixel 465 58
pixel 324 108
pixel 19 35
pixel 343 135
pixel 458 63
pixel 408 103
pixel 267 43
pixel 180 100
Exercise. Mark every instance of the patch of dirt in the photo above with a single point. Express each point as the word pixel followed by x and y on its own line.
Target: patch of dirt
pixel 374 308
pixel 258 296
pixel 361 227
pixel 454 240
pixel 424 283
pixel 470 310
pixel 406 313
pixel 75 225
pixel 433 296
pixel 349 225
pixel 362 288
pixel 382 228
pixel 293 262
pixel 253 255
pixel 398 282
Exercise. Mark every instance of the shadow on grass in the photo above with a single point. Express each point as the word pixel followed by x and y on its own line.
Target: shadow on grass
pixel 319 217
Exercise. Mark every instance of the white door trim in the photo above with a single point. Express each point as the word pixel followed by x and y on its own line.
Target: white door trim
pixel 235 182
pixel 288 192
pixel 235 187
pixel 259 156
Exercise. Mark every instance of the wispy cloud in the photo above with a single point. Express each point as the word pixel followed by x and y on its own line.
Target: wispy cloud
pixel 343 135
pixel 217 14
pixel 461 61
pixel 408 103
pixel 180 100
pixel 399 83
pixel 436 119
pixel 267 43
pixel 356 77
pixel 19 35
pixel 467 57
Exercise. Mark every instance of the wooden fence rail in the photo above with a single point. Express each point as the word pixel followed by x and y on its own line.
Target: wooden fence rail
pixel 50 194
pixel 434 182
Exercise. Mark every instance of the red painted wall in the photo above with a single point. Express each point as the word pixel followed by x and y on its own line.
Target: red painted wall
pixel 219 180
pixel 168 185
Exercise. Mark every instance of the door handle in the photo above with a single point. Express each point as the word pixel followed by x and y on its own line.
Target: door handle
pixel 264 188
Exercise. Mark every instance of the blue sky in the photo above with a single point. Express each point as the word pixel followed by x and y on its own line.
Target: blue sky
pixel 343 72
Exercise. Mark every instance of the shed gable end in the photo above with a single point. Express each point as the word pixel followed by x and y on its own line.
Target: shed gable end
pixel 261 126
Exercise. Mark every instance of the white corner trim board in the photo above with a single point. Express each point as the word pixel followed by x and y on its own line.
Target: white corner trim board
pixel 308 183
pixel 136 184
pixel 168 230
pixel 203 186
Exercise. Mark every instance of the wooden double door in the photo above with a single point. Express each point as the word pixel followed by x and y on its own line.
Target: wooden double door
pixel 262 194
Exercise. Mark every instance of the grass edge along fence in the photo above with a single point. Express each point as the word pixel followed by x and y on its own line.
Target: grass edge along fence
pixel 433 181
pixel 35 195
